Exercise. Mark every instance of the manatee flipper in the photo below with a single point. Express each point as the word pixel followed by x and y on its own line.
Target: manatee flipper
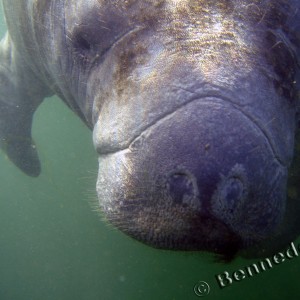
pixel 20 94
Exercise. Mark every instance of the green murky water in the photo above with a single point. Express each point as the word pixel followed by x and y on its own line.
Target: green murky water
pixel 54 247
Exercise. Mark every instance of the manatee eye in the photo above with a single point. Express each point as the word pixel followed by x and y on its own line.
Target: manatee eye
pixel 82 45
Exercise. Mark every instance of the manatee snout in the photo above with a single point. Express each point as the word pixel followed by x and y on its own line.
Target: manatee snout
pixel 204 177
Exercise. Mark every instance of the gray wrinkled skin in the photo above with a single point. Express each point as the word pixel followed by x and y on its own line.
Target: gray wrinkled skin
pixel 194 107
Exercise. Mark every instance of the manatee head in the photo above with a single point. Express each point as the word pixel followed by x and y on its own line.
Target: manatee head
pixel 193 107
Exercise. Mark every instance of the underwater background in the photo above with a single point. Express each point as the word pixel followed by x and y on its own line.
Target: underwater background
pixel 53 246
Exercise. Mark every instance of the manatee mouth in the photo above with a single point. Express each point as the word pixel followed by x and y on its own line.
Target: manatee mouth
pixel 204 177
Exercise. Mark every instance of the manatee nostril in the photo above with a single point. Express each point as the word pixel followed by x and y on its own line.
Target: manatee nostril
pixel 182 188
pixel 232 192
pixel 229 198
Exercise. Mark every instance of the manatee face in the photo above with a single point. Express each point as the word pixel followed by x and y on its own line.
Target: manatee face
pixel 193 105
pixel 203 177
pixel 194 136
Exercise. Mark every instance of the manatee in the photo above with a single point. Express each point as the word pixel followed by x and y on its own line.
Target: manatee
pixel 194 107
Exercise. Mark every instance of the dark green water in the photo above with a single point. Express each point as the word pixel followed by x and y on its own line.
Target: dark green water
pixel 54 247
